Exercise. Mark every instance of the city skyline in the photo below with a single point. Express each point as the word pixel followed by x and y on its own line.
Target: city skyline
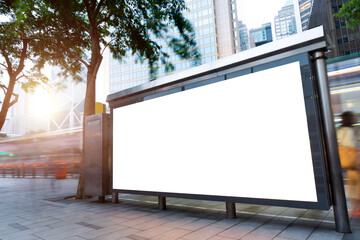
pixel 254 16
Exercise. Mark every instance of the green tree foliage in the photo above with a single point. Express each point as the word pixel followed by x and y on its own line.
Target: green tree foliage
pixel 15 49
pixel 351 12
pixel 74 34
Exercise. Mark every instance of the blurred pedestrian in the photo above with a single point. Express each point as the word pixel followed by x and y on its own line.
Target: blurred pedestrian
pixel 349 158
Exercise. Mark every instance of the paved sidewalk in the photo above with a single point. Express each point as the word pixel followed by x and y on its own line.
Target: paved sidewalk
pixel 37 209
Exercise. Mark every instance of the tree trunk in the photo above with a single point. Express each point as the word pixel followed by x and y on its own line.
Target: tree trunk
pixel 6 103
pixel 89 105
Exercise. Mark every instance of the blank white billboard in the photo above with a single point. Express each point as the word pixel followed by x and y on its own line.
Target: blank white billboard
pixel 243 137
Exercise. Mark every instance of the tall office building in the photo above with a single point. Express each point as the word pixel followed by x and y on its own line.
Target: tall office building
pixel 306 7
pixel 217 34
pixel 244 36
pixel 348 40
pixel 342 40
pixel 285 22
pixel 261 35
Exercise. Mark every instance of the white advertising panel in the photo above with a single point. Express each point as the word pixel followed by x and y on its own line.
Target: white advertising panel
pixel 244 137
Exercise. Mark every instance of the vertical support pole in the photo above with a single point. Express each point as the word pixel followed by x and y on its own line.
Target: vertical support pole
pixel 161 203
pixel 336 180
pixel 115 197
pixel 101 199
pixel 230 210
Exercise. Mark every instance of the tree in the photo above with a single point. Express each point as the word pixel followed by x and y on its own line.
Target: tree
pixel 15 49
pixel 72 33
pixel 351 12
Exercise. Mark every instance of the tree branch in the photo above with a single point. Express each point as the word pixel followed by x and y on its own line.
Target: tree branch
pixel 107 45
pixel 23 75
pixel 3 87
pixel 83 26
pixel 98 7
pixel 61 46
pixel 8 62
pixel 87 6
pixel 3 65
pixel 22 57
pixel 72 54
pixel 15 100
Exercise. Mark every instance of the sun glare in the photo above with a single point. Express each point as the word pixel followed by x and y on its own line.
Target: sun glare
pixel 40 103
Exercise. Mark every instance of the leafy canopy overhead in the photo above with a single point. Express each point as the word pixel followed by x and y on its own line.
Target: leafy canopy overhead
pixel 67 30
pixel 351 12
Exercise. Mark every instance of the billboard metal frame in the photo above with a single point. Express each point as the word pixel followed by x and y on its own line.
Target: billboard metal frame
pixel 308 48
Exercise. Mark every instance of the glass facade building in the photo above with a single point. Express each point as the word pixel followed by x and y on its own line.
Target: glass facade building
pixel 285 22
pixel 343 40
pixel 305 12
pixel 216 29
pixel 261 35
pixel 244 36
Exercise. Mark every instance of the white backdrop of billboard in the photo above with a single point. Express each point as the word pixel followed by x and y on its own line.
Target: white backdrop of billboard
pixel 243 137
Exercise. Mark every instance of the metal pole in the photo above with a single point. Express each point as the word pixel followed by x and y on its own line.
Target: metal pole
pixel 161 203
pixel 115 197
pixel 101 199
pixel 230 210
pixel 336 180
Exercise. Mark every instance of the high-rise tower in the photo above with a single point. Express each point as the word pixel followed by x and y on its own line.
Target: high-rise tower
pixel 285 21
pixel 217 34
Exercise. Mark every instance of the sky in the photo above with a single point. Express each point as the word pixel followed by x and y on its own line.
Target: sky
pixel 256 12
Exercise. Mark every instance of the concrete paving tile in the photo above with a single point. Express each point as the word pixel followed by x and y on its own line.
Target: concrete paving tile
pixel 326 231
pixel 282 238
pixel 151 224
pixel 172 234
pixel 204 233
pixel 274 210
pixel 226 223
pixel 67 234
pixel 254 208
pixel 119 234
pixel 8 230
pixel 136 221
pixel 174 223
pixel 176 216
pixel 100 232
pixel 101 220
pixel 152 232
pixel 297 232
pixel 279 223
pixel 238 231
pixel 262 234
pixel 134 237
pixel 57 231
pixel 243 216
pixel 65 222
pixel 133 214
pixel 10 219
pixel 195 225
pixel 75 238
pixel 257 220
pixel 220 238
pixel 40 222
pixel 108 223
pixel 22 236
pixel 293 212
pixel 183 218
pixel 314 214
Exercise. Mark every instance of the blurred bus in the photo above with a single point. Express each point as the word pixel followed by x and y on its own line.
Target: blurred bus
pixel 41 153
pixel 344 81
